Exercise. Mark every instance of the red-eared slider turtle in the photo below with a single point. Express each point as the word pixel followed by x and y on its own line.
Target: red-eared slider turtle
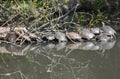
pixel 12 35
pixel 108 30
pixel 60 36
pixel 73 36
pixel 86 34
pixel 96 30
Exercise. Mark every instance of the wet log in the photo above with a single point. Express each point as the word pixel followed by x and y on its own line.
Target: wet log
pixel 3 32
pixel 20 31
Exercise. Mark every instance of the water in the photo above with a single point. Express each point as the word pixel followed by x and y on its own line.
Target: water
pixel 61 61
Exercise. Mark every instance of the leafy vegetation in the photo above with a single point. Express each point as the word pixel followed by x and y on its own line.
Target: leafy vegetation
pixel 54 13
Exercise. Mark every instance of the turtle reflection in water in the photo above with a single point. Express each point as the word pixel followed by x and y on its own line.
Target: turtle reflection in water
pixel 107 45
pixel 103 38
pixel 12 48
pixel 12 35
pixel 87 46
pixel 60 45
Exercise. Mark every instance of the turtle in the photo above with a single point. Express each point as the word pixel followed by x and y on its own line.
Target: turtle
pixel 60 36
pixel 85 33
pixel 73 36
pixel 96 30
pixel 108 30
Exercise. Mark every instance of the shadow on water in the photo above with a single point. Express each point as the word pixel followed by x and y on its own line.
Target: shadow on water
pixel 86 60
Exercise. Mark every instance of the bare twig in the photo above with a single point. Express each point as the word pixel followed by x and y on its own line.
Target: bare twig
pixel 10 19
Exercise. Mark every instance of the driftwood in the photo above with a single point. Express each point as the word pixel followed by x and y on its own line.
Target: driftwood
pixel 21 33
pixel 5 30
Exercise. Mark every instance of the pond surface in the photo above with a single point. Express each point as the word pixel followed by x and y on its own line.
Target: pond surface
pixel 61 61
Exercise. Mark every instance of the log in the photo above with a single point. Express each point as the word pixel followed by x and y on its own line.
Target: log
pixel 5 30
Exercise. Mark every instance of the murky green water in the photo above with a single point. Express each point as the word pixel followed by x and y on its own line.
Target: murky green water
pixel 61 61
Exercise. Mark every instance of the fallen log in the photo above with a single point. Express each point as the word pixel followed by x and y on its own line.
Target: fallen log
pixel 20 32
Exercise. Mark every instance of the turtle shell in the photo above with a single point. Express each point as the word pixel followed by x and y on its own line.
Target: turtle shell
pixel 108 30
pixel 96 30
pixel 73 36
pixel 86 34
pixel 60 36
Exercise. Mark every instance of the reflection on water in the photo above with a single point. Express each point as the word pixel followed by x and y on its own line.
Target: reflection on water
pixel 85 60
